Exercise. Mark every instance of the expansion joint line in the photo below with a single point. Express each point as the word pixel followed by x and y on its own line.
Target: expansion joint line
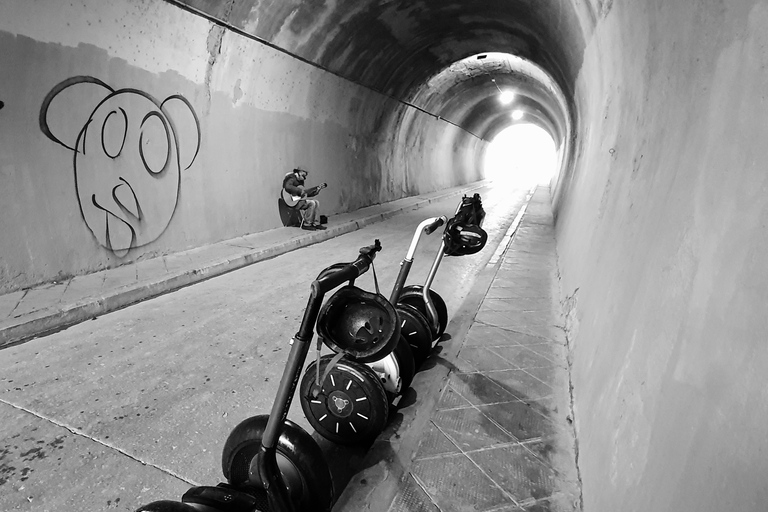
pixel 80 433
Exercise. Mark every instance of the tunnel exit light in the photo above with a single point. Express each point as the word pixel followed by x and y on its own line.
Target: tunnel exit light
pixel 520 156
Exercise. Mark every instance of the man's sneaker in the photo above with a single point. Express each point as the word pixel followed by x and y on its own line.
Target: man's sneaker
pixel 308 227
pixel 318 226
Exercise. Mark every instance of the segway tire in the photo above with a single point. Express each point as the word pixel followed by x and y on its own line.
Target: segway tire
pixel 351 407
pixel 413 296
pixel 302 464
pixel 166 506
pixel 407 363
pixel 396 370
pixel 415 329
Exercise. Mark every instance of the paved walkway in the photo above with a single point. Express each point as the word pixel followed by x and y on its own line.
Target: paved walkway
pixel 493 427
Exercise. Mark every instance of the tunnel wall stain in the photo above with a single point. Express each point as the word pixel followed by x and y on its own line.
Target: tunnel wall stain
pixel 661 244
pixel 237 115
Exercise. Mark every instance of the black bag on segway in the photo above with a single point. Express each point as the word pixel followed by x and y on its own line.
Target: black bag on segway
pixel 463 234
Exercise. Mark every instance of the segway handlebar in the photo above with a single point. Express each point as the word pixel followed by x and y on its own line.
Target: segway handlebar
pixel 351 271
pixel 330 280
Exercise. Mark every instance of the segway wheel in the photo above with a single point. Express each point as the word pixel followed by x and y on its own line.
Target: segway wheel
pixel 166 506
pixel 302 464
pixel 396 370
pixel 406 363
pixel 415 329
pixel 413 296
pixel 351 405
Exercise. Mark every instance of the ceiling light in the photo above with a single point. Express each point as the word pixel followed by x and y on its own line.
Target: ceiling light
pixel 517 115
pixel 506 97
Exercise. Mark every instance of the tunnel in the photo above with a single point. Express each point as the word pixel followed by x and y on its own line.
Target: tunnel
pixel 136 128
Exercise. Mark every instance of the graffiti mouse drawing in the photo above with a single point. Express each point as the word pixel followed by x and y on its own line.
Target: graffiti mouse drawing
pixel 128 151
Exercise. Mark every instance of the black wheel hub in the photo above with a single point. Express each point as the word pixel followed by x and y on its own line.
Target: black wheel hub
pixel 339 404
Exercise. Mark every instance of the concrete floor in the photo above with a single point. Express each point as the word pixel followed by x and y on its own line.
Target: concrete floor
pixel 134 406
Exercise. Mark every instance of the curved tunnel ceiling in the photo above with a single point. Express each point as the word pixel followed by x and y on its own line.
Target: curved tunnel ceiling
pixel 424 53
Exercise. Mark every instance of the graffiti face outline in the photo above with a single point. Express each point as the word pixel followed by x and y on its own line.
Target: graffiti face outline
pixel 126 162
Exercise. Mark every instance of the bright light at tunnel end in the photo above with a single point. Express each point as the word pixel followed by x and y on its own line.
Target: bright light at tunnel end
pixel 522 155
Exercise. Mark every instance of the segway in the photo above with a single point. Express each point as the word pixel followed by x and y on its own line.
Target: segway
pixel 421 309
pixel 422 312
pixel 395 370
pixel 270 463
pixel 346 397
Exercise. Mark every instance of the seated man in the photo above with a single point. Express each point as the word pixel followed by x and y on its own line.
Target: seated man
pixel 293 184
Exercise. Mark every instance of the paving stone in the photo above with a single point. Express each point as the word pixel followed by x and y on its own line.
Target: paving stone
pixel 8 303
pixel 539 279
pixel 532 324
pixel 469 429
pixel 519 419
pixel 412 497
pixel 80 289
pixel 120 277
pixel 434 442
pixel 489 335
pixel 537 304
pixel 520 357
pixel 479 389
pixel 38 299
pixel 554 351
pixel 517 471
pixel 151 269
pixel 493 336
pixel 455 485
pixel 520 383
pixel 483 359
pixel 450 399
pixel 516 292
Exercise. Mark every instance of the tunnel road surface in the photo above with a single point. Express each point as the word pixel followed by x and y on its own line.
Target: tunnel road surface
pixel 134 406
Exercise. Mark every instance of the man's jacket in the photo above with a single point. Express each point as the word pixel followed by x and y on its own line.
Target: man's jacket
pixel 293 185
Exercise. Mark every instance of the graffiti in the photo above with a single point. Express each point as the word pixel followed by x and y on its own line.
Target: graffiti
pixel 128 152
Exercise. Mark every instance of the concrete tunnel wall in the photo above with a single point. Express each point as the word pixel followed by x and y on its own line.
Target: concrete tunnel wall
pixel 232 116
pixel 662 247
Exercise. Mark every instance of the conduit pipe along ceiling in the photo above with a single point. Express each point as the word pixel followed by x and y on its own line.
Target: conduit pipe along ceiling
pixel 448 57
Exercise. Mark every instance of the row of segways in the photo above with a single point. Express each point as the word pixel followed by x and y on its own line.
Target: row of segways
pixel 272 464
pixel 347 397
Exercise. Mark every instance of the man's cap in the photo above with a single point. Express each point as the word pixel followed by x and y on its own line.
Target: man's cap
pixel 299 169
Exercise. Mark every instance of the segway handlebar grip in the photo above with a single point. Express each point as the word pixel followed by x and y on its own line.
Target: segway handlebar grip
pixel 333 277
pixel 371 250
pixel 432 227
pixel 367 255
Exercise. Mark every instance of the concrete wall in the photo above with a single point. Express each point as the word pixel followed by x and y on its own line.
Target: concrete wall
pixel 133 129
pixel 662 241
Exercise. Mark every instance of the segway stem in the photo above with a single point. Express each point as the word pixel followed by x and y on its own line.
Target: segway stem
pixel 427 226
pixel 425 291
pixel 266 461
pixel 402 276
